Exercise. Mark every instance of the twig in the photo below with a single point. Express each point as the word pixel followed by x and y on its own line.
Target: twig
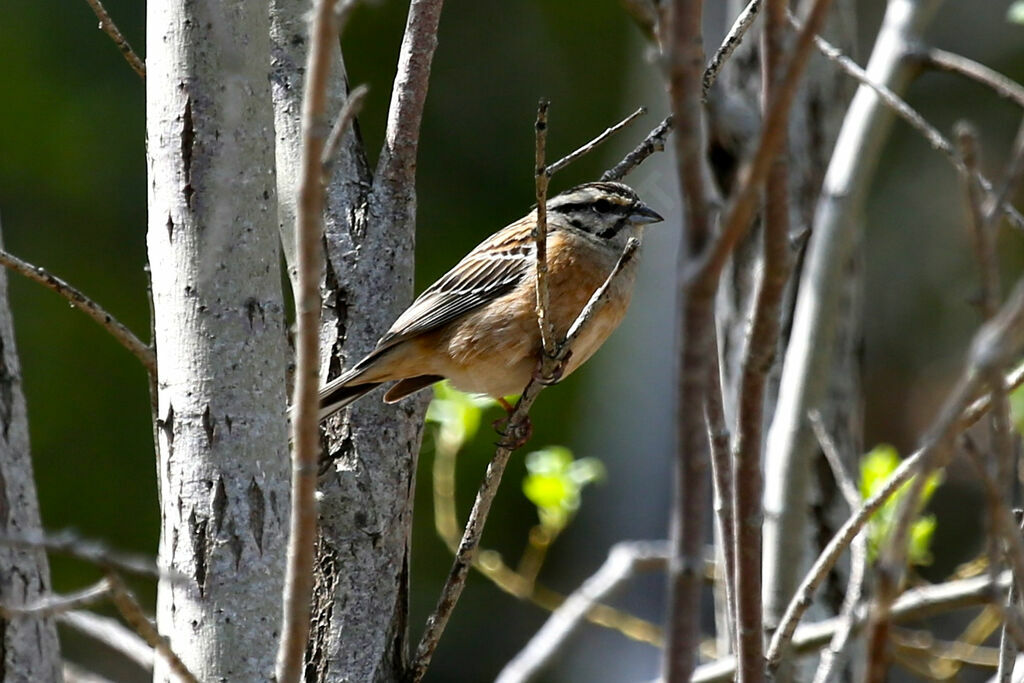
pixel 590 146
pixel 111 633
pixel 1011 178
pixel 349 111
pixel 914 604
pixel 624 560
pixel 732 40
pixel 95 552
pixel 931 134
pixel 83 303
pixel 515 429
pixel 832 657
pixel 682 43
pixel 128 605
pixel 1003 86
pixel 828 557
pixel 540 233
pixel 654 142
pixel 110 28
pixel 309 230
pixel 51 605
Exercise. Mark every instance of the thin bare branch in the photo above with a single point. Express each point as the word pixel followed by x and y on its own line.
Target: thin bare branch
pixel 540 232
pixel 1003 86
pixel 349 111
pixel 593 144
pixel 828 557
pixel 516 430
pixel 51 605
pixel 624 561
pixel 654 142
pixel 130 609
pixel 309 231
pixel 83 303
pixel 1011 178
pixel 111 633
pixel 108 26
pixel 914 604
pixel 732 40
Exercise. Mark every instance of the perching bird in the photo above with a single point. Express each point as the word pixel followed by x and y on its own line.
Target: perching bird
pixel 477 325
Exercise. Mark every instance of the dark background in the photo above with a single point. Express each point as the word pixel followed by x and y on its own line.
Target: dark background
pixel 73 199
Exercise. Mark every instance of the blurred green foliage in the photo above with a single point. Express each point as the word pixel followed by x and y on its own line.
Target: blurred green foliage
pixel 554 483
pixel 875 468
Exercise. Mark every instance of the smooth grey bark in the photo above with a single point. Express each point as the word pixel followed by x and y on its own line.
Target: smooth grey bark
pixel 29 649
pixel 360 610
pixel 219 326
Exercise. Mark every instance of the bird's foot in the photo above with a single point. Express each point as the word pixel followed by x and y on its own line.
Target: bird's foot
pixel 512 436
pixel 556 372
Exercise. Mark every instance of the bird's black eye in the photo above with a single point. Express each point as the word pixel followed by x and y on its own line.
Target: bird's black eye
pixel 602 206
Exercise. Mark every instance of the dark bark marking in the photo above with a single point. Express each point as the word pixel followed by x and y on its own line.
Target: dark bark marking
pixel 197 532
pixel 5 505
pixel 170 228
pixel 208 426
pixel 220 504
pixel 166 425
pixel 253 308
pixel 7 380
pixel 188 139
pixel 257 512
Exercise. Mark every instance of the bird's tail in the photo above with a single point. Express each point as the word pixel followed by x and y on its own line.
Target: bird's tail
pixel 336 395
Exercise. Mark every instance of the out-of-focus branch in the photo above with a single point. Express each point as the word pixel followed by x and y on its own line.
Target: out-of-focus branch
pixel 914 118
pixel 723 482
pixel 83 303
pixel 830 555
pixel 917 603
pixel 624 561
pixel 806 366
pixel 111 633
pixel 108 26
pixel 51 605
pixel 349 111
pixel 1003 86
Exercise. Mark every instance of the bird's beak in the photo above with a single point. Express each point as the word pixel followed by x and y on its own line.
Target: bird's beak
pixel 642 214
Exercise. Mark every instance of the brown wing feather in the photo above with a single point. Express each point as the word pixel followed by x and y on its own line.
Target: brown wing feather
pixel 493 268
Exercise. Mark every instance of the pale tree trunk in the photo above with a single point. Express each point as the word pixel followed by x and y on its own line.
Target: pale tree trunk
pixel 360 602
pixel 29 650
pixel 219 326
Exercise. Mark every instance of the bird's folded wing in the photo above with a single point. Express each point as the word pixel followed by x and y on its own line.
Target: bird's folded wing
pixel 489 271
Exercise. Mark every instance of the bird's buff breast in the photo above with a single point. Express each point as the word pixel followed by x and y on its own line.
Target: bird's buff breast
pixel 495 350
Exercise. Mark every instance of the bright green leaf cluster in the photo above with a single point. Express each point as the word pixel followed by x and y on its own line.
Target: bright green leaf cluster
pixel 1016 12
pixel 554 482
pixel 1017 409
pixel 456 414
pixel 875 469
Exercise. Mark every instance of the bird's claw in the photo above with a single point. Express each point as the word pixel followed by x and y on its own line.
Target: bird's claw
pixel 516 436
